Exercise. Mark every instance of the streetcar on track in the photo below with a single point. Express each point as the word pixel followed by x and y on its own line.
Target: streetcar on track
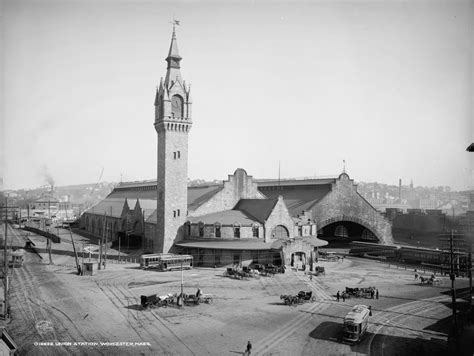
pixel 166 261
pixel 16 258
pixel 356 323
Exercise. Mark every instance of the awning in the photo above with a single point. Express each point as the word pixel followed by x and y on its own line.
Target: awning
pixel 314 241
pixel 253 244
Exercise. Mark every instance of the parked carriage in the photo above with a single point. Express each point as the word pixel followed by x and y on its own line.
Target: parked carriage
pixel 154 301
pixel 360 292
pixel 193 299
pixel 319 270
pixel 269 269
pixel 301 298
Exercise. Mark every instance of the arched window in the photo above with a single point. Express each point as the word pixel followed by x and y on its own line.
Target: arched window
pixel 177 106
pixel 341 231
pixel 280 232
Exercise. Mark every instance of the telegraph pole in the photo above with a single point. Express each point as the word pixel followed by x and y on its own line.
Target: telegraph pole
pixel 452 276
pixel 5 271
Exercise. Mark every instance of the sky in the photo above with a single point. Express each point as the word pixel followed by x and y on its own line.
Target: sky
pixel 386 86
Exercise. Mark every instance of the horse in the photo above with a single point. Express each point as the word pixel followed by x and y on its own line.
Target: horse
pixel 424 280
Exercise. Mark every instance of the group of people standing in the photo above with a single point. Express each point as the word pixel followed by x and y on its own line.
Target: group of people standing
pixel 373 293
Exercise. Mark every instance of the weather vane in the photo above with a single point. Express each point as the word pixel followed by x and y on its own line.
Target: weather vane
pixel 174 23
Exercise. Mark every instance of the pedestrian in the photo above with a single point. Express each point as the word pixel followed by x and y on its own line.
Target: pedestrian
pixel 343 296
pixel 249 348
pixel 311 277
pixel 338 295
pixel 198 292
pixel 376 294
pixel 372 294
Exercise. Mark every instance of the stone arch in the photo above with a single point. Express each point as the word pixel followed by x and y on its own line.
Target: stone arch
pixel 280 232
pixel 354 219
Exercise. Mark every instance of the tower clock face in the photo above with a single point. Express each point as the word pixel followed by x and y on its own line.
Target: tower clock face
pixel 177 106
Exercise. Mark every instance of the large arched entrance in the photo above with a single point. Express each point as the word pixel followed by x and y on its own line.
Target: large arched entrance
pixel 345 230
pixel 298 260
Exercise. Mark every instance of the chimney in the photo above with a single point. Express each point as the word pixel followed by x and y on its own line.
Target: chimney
pixel 400 190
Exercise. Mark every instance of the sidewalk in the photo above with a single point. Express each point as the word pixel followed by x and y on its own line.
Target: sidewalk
pixel 63 252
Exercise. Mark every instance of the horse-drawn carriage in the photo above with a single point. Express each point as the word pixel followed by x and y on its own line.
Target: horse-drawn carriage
pixel 319 270
pixel 193 299
pixel 301 298
pixel 240 273
pixel 430 281
pixel 368 292
pixel 154 301
pixel 269 269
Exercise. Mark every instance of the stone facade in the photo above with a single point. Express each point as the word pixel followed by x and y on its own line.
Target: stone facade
pixel 279 217
pixel 237 186
pixel 172 124
pixel 344 203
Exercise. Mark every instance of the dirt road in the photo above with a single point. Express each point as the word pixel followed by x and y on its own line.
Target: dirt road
pixel 50 303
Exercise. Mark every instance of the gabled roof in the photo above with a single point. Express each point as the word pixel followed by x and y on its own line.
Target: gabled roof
pixel 294 182
pixel 226 217
pixel 152 218
pixel 110 206
pixel 133 193
pixel 297 197
pixel 259 209
pixel 148 206
pixel 198 195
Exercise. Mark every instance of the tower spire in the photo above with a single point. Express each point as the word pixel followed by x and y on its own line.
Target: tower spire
pixel 173 73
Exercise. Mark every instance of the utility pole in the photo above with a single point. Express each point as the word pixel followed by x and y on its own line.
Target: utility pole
pixel 104 226
pixel 49 242
pixel 452 276
pixel 182 277
pixel 5 271
pixel 119 249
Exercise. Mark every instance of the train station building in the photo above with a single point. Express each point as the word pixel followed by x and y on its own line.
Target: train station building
pixel 241 220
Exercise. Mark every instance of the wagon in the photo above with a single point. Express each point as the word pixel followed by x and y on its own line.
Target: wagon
pixel 319 270
pixel 359 292
pixel 306 296
pixel 154 301
pixel 192 299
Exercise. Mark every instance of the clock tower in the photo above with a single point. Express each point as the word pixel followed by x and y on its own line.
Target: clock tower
pixel 172 124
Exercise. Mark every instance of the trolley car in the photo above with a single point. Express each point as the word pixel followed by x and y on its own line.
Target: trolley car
pixel 166 261
pixel 355 323
pixel 16 258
